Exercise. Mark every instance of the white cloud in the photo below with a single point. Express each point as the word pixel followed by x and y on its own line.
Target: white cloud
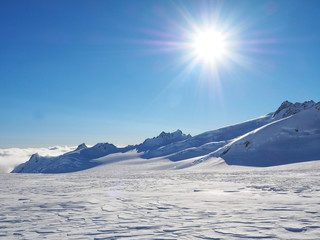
pixel 11 157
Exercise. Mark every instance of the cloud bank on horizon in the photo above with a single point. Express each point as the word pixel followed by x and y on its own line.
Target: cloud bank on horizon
pixel 11 157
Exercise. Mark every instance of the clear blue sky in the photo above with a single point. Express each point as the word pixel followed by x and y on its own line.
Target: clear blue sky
pixel 113 71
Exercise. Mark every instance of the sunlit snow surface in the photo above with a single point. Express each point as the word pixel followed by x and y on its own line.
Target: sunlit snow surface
pixel 128 199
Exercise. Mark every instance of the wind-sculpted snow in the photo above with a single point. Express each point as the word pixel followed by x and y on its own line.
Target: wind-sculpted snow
pixel 129 200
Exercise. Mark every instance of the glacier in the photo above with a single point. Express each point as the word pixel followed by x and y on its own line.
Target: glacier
pixel 291 134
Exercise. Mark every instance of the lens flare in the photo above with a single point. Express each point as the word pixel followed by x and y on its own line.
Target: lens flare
pixel 209 45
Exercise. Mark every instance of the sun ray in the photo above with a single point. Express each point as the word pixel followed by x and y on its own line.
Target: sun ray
pixel 209 45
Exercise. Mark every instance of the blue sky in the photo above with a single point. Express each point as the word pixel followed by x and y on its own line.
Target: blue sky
pixel 120 71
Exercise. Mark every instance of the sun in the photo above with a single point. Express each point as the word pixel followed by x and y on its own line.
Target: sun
pixel 209 45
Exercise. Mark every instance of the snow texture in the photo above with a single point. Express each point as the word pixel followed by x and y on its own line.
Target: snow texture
pixel 139 198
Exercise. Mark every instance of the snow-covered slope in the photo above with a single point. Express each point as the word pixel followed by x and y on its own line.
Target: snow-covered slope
pixel 290 134
pixel 208 141
pixel 289 140
pixel 12 157
pixel 79 159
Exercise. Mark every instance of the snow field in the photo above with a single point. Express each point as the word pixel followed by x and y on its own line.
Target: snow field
pixel 127 200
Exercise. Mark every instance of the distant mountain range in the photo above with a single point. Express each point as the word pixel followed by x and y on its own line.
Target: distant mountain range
pixel 290 134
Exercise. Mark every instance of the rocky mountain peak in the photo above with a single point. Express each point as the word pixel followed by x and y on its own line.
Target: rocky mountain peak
pixel 81 146
pixel 287 108
pixel 35 156
pixel 283 105
pixel 173 134
pixel 103 147
pixel 162 139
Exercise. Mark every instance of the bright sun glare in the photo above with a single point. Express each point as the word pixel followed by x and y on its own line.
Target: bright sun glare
pixel 209 45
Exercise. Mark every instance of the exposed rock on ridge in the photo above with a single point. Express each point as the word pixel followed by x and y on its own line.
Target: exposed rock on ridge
pixel 288 109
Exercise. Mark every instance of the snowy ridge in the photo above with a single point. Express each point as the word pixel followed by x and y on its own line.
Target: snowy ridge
pixel 288 109
pixel 291 134
pixel 12 157
pixel 162 140
pixel 79 159
pixel 288 140
pixel 81 146
pixel 207 142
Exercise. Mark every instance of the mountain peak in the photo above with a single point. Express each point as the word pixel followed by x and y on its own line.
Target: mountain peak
pixel 162 139
pixel 81 146
pixel 263 141
pixel 287 108
pixel 103 147
pixel 283 105
pixel 35 156
pixel 173 134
